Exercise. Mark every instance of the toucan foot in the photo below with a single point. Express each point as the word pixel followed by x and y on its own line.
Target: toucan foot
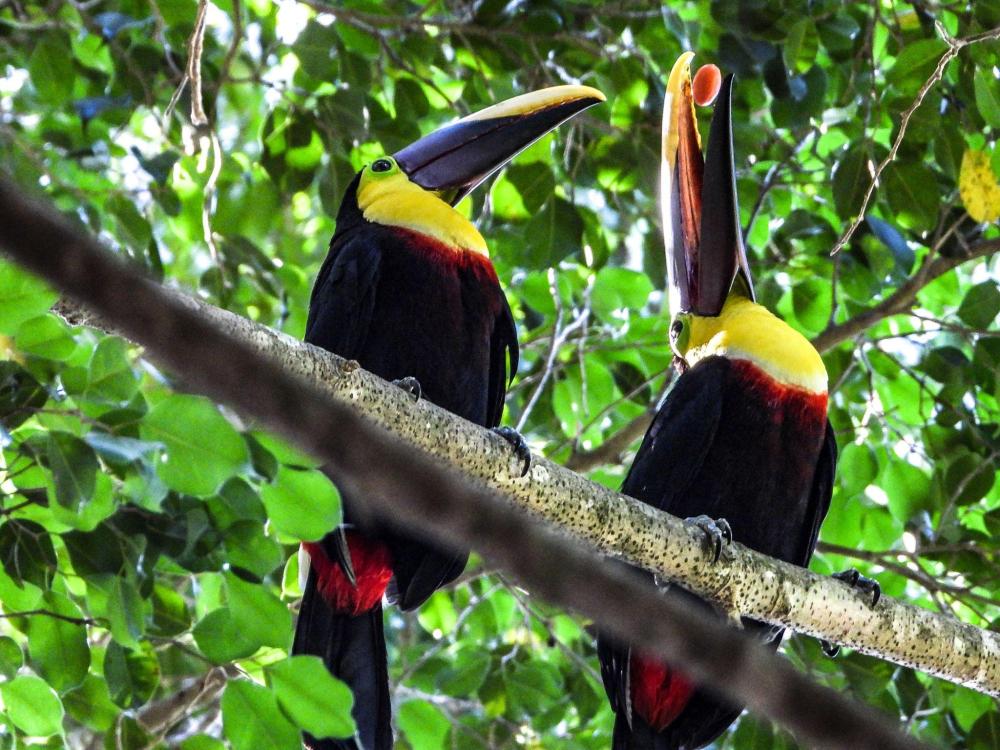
pixel 411 385
pixel 516 440
pixel 717 533
pixel 854 579
pixel 830 649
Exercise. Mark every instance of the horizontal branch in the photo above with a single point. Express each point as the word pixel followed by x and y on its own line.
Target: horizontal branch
pixel 743 581
pixel 903 299
pixel 382 470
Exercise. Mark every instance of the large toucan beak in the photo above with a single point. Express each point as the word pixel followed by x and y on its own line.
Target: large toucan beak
pixel 452 161
pixel 701 219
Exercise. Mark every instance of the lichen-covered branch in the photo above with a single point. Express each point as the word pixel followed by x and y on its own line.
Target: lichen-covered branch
pixel 744 581
pixel 394 479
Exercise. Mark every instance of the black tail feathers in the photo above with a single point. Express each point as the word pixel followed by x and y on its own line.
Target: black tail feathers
pixel 640 736
pixel 353 649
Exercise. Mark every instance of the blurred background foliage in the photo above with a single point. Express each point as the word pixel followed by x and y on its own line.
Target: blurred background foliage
pixel 147 537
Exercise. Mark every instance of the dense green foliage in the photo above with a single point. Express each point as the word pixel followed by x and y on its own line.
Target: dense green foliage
pixel 147 536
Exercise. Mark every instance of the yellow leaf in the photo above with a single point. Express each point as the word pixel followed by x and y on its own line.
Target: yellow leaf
pixel 977 184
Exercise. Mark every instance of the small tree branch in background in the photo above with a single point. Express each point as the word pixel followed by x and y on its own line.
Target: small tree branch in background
pixel 196 45
pixel 901 300
pixel 157 718
pixel 399 481
pixel 612 449
pixel 954 47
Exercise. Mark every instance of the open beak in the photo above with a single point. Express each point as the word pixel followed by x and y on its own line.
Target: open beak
pixel 700 209
pixel 453 160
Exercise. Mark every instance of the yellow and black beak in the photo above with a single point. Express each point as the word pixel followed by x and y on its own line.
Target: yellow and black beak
pixel 700 209
pixel 453 160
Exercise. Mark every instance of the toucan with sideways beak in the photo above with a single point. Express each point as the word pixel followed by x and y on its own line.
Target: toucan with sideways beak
pixel 408 291
pixel 742 446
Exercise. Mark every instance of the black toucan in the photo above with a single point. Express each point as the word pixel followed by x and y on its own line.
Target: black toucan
pixel 742 436
pixel 408 291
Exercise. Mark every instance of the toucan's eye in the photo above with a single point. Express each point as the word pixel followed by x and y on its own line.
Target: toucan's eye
pixel 382 165
pixel 680 334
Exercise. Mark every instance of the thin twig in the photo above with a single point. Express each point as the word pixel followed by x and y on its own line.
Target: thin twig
pixel 954 47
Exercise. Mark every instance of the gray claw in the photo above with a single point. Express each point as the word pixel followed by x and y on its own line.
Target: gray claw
pixel 411 385
pixel 854 579
pixel 516 440
pixel 717 532
pixel 830 649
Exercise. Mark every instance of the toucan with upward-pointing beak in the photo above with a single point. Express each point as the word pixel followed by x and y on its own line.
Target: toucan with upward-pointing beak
pixel 742 446
pixel 409 292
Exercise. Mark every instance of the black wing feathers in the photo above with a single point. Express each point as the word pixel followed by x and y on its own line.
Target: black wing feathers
pixel 677 443
pixel 343 298
pixel 503 344
pixel 821 492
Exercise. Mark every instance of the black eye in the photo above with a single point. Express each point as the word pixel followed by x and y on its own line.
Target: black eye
pixel 675 328
pixel 381 165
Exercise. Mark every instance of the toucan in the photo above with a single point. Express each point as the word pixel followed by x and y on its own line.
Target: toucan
pixel 742 446
pixel 408 291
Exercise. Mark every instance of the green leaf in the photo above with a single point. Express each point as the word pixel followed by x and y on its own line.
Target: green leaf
pixel 259 613
pixel 32 706
pixel 202 742
pixel 437 615
pixel 26 552
pixel 202 448
pixel 22 297
pixel 251 719
pixel 535 183
pixel 553 234
pixel 51 68
pixel 907 487
pixel 801 46
pixel 59 649
pixel 11 657
pixel 91 705
pixel 850 181
pixel 222 639
pixel 987 89
pixel 132 674
pixel 985 734
pixel 857 468
pixel 302 503
pixel 74 469
pixel 126 613
pixel 981 305
pixel 110 378
pixel 311 697
pixel 968 705
pixel 20 395
pixel 45 336
pixel 170 612
pixel 533 683
pixel 915 62
pixel 913 194
pixel 968 478
pixel 423 725
pixel 617 289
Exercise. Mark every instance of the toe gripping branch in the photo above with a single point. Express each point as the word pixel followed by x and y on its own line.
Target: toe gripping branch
pixel 517 442
pixel 411 385
pixel 855 580
pixel 717 533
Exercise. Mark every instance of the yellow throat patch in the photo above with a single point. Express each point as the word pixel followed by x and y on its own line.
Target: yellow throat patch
pixel 746 330
pixel 388 197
